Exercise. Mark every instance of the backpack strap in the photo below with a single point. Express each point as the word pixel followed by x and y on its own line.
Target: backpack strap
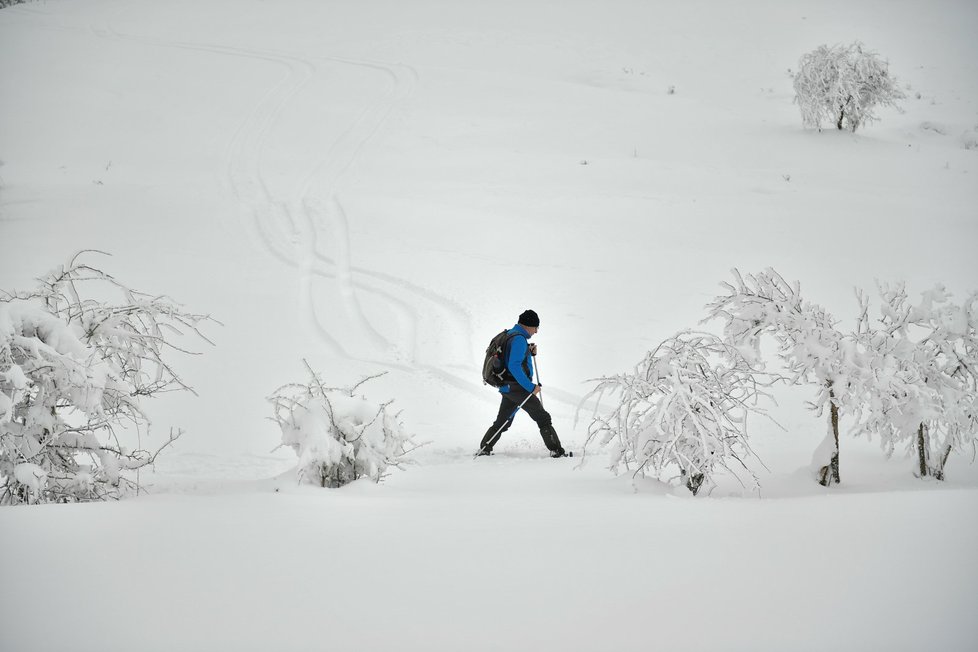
pixel 507 345
pixel 523 363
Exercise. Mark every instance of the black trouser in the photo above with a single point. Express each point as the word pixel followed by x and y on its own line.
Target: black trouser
pixel 509 406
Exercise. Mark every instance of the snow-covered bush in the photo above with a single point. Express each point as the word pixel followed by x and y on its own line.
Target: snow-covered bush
pixel 923 359
pixel 684 408
pixel 844 85
pixel 908 377
pixel 74 371
pixel 809 345
pixel 339 435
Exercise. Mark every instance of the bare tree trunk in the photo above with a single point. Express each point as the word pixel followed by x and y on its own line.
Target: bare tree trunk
pixel 927 466
pixel 693 481
pixel 939 471
pixel 830 474
pixel 923 448
pixel 834 415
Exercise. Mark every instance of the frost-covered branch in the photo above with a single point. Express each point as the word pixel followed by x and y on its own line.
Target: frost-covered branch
pixel 908 376
pixel 684 408
pixel 924 362
pixel 810 347
pixel 73 370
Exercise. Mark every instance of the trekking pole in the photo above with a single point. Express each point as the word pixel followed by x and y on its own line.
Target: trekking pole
pixel 492 440
pixel 536 371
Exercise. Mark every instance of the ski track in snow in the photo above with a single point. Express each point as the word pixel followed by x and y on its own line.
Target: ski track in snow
pixel 294 229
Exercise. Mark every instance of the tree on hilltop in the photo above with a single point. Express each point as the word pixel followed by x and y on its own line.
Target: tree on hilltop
pixel 843 85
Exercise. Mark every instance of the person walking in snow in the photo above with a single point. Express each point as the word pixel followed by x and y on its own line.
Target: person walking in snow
pixel 518 388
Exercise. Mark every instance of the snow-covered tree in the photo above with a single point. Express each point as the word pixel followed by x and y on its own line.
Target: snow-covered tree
pixel 924 363
pixel 339 435
pixel 684 408
pixel 808 343
pixel 74 373
pixel 844 85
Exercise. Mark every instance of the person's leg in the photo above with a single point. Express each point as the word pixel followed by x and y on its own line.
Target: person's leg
pixel 552 441
pixel 535 409
pixel 504 419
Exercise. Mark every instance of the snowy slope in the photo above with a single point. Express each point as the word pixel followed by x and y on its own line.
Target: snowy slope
pixel 384 185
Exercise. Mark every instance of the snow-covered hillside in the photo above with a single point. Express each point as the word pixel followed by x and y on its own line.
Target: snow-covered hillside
pixel 382 186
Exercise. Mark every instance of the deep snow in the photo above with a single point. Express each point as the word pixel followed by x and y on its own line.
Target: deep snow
pixel 334 181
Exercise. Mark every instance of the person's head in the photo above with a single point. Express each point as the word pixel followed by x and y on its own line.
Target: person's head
pixel 530 321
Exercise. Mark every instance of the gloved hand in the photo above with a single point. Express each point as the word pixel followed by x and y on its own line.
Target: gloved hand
pixel 533 349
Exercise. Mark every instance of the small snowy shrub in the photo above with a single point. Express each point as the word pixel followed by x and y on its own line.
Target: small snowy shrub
pixel 339 435
pixel 74 372
pixel 684 408
pixel 843 85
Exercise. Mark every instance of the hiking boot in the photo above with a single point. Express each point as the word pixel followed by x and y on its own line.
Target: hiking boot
pixel 552 441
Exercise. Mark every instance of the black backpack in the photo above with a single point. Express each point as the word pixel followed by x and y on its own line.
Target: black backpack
pixel 494 367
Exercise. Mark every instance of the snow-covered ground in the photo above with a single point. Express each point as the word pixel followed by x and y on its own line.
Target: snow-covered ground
pixel 383 185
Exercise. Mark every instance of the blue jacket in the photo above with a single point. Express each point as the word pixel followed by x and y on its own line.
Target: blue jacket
pixel 519 362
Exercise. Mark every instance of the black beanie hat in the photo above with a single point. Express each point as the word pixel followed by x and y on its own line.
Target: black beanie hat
pixel 530 318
